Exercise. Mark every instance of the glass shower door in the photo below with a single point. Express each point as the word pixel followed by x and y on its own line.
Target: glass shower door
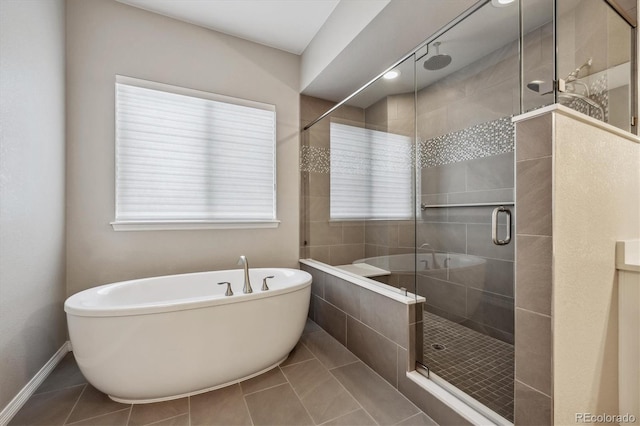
pixel 467 92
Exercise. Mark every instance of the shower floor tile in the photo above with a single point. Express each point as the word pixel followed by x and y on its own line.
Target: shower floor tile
pixel 309 388
pixel 477 364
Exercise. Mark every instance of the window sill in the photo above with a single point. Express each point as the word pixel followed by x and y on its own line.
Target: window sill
pixel 190 225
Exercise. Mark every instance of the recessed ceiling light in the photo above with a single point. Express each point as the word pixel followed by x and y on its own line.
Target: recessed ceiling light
pixel 391 75
pixel 501 3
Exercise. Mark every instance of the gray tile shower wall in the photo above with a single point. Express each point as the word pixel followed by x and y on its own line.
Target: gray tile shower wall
pixel 480 297
pixel 533 346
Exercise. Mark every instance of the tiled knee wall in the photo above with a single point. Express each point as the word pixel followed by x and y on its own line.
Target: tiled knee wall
pixel 374 327
pixel 378 330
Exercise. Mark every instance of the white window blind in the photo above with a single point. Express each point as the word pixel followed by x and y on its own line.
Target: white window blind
pixel 184 155
pixel 371 174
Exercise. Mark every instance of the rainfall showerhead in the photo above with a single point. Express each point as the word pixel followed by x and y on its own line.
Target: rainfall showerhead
pixel 437 61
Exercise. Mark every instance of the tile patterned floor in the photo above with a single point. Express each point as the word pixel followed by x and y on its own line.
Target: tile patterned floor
pixel 321 383
pixel 479 365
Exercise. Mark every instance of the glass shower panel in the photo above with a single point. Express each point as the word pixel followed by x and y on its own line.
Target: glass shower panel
pixel 538 54
pixel 322 239
pixel 465 102
pixel 389 123
pixel 594 61
pixel 359 182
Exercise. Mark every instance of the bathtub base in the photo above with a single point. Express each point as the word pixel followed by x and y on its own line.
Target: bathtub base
pixel 183 395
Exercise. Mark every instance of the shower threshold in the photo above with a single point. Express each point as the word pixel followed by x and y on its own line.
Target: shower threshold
pixel 462 404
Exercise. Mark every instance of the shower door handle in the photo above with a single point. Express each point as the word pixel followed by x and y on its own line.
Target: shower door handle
pixel 494 226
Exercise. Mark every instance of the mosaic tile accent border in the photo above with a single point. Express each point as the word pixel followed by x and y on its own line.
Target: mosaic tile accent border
pixel 318 160
pixel 315 159
pixel 483 140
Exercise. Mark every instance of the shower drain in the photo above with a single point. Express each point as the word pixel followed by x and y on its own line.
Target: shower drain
pixel 438 347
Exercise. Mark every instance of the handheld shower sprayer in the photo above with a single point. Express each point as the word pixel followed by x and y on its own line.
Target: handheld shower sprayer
pixel 573 75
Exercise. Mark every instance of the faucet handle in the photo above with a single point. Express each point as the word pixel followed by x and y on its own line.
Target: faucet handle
pixel 229 292
pixel 264 283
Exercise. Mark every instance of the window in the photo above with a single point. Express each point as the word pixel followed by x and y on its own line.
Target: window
pixel 371 174
pixel 186 158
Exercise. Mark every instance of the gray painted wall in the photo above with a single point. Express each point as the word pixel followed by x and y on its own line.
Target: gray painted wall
pixel 32 189
pixel 106 38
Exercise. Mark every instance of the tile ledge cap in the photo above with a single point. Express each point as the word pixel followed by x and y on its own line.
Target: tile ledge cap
pixel 366 283
pixel 561 109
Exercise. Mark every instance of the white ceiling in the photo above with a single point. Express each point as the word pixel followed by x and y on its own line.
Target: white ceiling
pixel 287 25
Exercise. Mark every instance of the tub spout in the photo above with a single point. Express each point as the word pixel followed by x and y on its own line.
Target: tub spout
pixel 427 246
pixel 247 284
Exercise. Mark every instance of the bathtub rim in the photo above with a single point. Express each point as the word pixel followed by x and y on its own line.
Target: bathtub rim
pixel 480 261
pixel 374 286
pixel 71 304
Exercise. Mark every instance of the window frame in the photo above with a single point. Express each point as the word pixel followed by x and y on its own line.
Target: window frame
pixel 187 224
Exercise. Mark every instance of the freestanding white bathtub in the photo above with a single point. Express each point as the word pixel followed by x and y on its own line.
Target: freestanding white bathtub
pixel 163 338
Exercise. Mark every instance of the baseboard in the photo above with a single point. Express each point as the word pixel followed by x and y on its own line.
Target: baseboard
pixel 28 390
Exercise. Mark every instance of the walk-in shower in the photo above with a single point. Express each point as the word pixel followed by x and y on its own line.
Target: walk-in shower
pixel 410 181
